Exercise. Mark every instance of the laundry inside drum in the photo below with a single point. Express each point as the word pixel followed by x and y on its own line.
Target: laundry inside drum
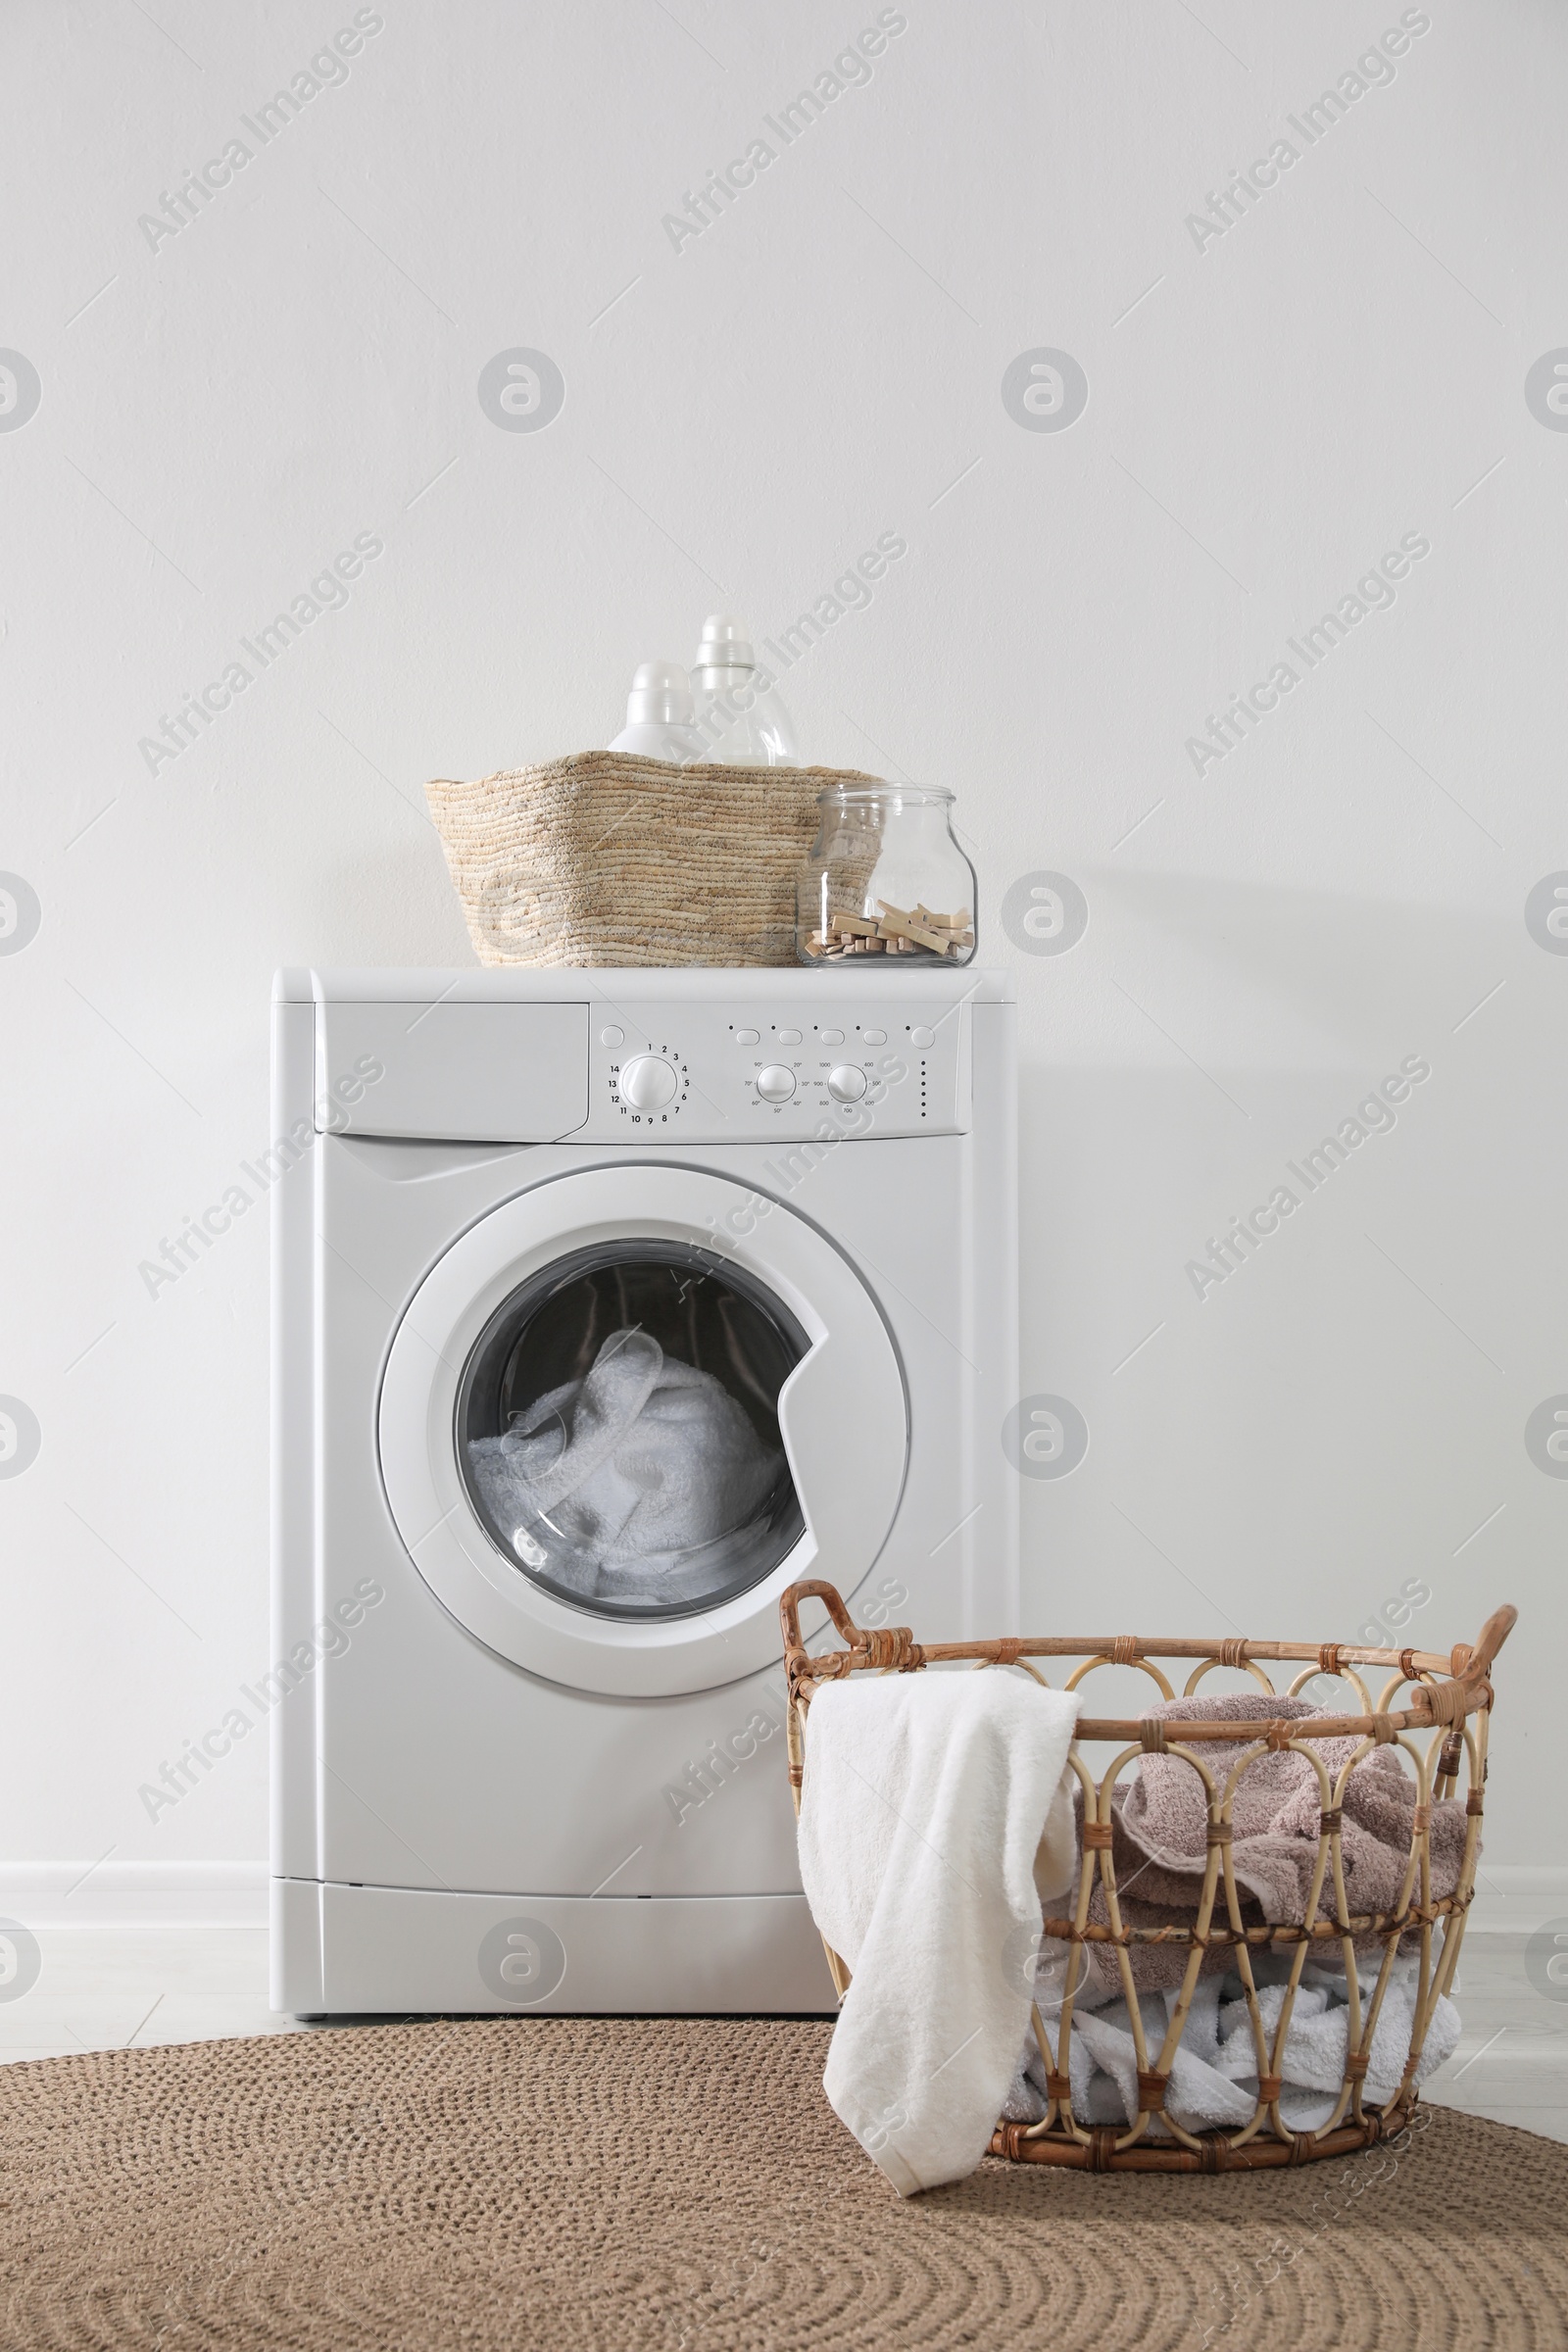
pixel 618 1429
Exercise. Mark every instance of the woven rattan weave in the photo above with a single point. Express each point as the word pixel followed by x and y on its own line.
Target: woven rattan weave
pixel 1441 1733
pixel 611 860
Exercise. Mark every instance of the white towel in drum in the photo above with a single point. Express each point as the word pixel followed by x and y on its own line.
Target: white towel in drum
pixel 927 1800
pixel 631 1468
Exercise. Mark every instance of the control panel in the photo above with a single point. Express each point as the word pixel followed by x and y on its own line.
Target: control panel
pixel 738 1073
pixel 709 1071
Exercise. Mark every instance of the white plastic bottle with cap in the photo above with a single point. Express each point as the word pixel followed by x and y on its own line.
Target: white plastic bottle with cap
pixel 660 715
pixel 741 715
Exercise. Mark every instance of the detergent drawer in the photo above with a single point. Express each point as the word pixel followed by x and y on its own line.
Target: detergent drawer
pixel 451 1072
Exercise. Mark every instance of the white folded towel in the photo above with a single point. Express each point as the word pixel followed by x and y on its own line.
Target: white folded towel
pixel 926 1801
pixel 1213 2076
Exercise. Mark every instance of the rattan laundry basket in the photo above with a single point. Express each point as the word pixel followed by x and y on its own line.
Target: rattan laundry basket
pixel 1448 1697
pixel 608 858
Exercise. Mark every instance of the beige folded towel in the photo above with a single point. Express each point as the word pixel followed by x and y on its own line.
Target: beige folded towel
pixel 1161 1831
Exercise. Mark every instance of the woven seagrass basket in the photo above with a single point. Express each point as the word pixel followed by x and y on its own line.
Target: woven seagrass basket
pixel 609 858
pixel 1447 1698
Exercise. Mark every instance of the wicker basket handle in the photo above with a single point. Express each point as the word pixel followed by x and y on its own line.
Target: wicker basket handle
pixel 888 1647
pixel 1474 1665
pixel 789 1609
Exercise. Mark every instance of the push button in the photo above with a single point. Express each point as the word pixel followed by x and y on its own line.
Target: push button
pixel 831 1037
pixel 874 1037
pixel 747 1037
pixel 612 1036
pixel 788 1037
pixel 921 1039
pixel 776 1083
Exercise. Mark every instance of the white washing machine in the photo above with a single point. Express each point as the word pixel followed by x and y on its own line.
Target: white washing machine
pixel 607 1304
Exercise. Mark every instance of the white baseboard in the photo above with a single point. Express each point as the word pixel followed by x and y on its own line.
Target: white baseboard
pixel 1515 1899
pixel 1511 1899
pixel 112 1894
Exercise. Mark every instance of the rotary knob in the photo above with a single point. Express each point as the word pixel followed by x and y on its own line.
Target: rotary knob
pixel 776 1083
pixel 846 1084
pixel 648 1083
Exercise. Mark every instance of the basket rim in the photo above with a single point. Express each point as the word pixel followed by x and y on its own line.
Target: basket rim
pixel 1438 1704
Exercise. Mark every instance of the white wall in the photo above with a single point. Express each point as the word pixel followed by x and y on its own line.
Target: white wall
pixel 1269 411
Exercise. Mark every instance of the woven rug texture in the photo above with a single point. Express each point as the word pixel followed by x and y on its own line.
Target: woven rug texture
pixel 680 2184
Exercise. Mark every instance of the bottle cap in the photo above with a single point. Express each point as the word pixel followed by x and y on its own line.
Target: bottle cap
pixel 660 690
pixel 726 644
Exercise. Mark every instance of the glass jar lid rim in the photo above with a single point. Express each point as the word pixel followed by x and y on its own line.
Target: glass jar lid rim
pixel 885 792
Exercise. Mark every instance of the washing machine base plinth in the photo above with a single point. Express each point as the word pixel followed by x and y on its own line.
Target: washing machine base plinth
pixel 341 1950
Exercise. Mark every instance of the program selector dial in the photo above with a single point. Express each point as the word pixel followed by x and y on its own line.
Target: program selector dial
pixel 846 1084
pixel 776 1083
pixel 648 1083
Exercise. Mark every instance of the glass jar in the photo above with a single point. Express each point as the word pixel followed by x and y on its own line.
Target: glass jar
pixel 886 881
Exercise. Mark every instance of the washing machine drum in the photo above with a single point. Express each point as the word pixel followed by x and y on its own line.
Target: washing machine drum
pixel 624 1410
pixel 618 1434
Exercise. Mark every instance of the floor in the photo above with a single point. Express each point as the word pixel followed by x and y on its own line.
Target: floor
pixel 1512 2059
pixel 118 1986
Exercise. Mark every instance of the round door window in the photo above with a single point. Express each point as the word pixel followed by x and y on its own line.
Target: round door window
pixel 618 1429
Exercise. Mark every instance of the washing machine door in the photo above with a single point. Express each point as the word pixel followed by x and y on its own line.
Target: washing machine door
pixel 624 1410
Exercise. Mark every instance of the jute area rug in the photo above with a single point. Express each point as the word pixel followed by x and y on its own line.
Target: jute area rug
pixel 682 2185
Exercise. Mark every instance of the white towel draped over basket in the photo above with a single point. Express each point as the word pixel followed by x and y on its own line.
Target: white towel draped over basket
pixel 936 1814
